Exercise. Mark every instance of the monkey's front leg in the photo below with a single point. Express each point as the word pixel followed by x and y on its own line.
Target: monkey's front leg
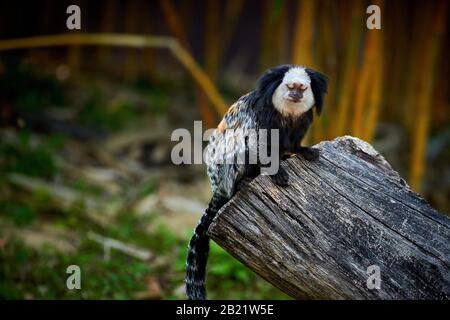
pixel 308 153
pixel 281 178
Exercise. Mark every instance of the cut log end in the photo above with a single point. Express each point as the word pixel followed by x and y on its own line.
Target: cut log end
pixel 342 218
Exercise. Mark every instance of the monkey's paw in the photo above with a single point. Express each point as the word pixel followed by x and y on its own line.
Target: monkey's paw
pixel 281 178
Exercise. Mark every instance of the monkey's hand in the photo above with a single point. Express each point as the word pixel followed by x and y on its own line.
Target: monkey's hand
pixel 280 178
pixel 309 154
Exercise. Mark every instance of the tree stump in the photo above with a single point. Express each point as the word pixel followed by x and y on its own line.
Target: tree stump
pixel 340 215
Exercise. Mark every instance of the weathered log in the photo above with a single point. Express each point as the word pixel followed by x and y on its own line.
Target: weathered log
pixel 342 213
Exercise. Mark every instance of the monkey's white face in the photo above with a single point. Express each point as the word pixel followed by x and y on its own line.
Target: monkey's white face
pixel 294 95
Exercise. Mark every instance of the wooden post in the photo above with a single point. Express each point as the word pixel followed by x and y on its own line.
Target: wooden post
pixel 341 214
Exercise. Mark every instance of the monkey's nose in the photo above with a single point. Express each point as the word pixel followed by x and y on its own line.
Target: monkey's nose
pixel 296 85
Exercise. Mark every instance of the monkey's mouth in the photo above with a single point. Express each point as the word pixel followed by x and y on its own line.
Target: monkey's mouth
pixel 294 100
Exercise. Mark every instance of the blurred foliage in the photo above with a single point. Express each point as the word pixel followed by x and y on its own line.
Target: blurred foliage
pixel 41 274
pixel 30 88
pixel 94 112
pixel 29 159
pixel 27 273
pixel 156 96
pixel 23 215
pixel 30 272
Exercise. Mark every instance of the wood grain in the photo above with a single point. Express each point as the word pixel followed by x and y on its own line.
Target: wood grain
pixel 340 214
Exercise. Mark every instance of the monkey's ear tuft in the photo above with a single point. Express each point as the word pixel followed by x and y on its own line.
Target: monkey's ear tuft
pixel 319 86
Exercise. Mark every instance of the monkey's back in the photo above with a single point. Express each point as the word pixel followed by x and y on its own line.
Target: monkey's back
pixel 228 143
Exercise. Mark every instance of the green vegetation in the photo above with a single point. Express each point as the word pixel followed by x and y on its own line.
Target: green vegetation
pixel 41 274
pixel 41 234
pixel 32 160
pixel 29 88
pixel 93 112
pixel 28 273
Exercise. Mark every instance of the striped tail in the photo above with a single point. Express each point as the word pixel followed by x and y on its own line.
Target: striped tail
pixel 198 250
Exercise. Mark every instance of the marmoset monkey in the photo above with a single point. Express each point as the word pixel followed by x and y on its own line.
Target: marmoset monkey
pixel 283 99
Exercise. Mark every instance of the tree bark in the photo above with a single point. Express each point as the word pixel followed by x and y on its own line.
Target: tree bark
pixel 341 214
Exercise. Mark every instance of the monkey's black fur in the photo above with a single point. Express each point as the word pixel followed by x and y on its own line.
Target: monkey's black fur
pixel 258 112
pixel 198 251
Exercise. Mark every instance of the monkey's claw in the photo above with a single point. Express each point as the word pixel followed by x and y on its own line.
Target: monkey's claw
pixel 281 178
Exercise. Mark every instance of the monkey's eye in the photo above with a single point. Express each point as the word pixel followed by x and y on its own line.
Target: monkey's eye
pixel 290 86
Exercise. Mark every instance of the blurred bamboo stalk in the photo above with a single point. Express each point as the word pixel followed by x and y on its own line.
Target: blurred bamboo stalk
pixel 374 102
pixel 280 35
pixel 348 78
pixel 134 41
pixel 373 105
pixel 369 122
pixel 265 36
pixel 174 23
pixel 396 84
pixel 130 69
pixel 233 11
pixel 212 38
pixel 302 50
pixel 186 7
pixel 202 79
pixel 217 41
pixel 271 34
pixel 45 22
pixel 412 75
pixel 218 34
pixel 424 93
pixel 440 114
pixel 149 56
pixel 107 26
pixel 321 61
pixel 327 55
pixel 74 59
pixel 367 68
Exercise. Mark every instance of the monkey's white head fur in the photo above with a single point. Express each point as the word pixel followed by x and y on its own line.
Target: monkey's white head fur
pixel 294 95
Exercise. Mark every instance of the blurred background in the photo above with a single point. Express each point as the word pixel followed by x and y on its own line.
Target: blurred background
pixel 86 117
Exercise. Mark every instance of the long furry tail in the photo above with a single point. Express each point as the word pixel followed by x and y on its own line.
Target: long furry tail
pixel 198 250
